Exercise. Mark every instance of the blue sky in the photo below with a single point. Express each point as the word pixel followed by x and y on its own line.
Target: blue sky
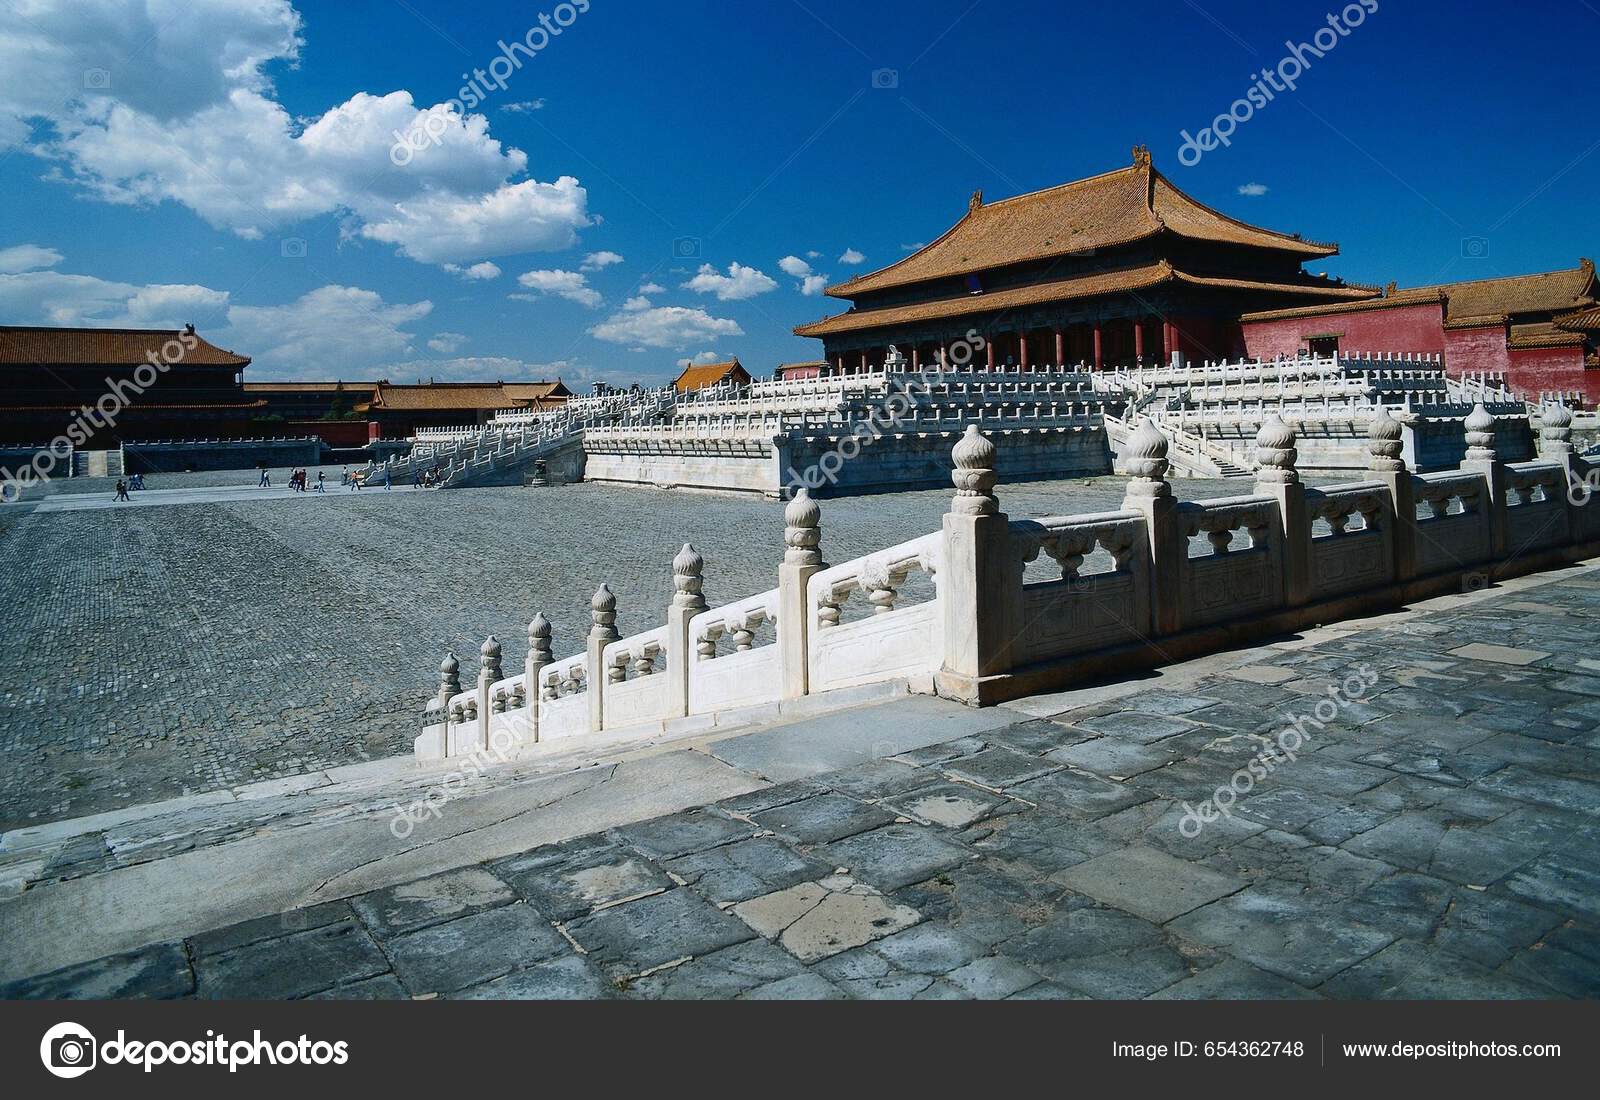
pixel 660 182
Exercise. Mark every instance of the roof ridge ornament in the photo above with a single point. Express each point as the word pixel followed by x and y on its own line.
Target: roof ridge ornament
pixel 1141 156
pixel 975 203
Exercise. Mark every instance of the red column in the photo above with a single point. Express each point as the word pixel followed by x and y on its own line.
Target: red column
pixel 1138 339
pixel 1099 361
pixel 1061 347
pixel 865 366
pixel 1022 349
pixel 916 357
pixel 989 345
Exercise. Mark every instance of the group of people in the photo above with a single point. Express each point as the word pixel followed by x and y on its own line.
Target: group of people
pixel 426 479
pixel 298 478
pixel 124 484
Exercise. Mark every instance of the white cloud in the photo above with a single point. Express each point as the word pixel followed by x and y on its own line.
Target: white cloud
pixel 633 305
pixel 145 101
pixel 27 257
pixel 663 327
pixel 485 270
pixel 851 256
pixel 652 288
pixel 1254 190
pixel 599 261
pixel 520 217
pixel 917 247
pixel 700 359
pixel 738 284
pixel 571 285
pixel 813 255
pixel 447 342
pixel 331 331
pixel 810 282
pixel 57 298
pixel 524 106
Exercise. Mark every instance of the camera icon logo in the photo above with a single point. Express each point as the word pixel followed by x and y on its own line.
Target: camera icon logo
pixel 686 248
pixel 96 80
pixel 1474 582
pixel 885 79
pixel 293 248
pixel 1474 248
pixel 68 1050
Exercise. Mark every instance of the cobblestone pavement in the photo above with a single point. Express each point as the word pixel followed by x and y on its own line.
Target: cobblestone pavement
pixel 1437 836
pixel 157 651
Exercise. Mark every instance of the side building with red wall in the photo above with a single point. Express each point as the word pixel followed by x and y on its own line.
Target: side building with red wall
pixel 1541 330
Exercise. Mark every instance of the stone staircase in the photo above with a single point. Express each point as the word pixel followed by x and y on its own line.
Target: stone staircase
pixel 506 448
pixel 107 463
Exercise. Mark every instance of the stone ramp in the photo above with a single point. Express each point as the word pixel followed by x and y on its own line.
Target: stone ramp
pixel 1436 838
pixel 87 887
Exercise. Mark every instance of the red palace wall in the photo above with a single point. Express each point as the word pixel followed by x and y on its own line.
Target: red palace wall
pixel 1420 328
pixel 1556 370
pixel 1475 349
pixel 1415 328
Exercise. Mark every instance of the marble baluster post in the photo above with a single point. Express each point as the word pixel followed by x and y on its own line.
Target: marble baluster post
pixel 539 656
pixel 1277 477
pixel 688 600
pixel 602 632
pixel 802 559
pixel 981 593
pixel 1384 447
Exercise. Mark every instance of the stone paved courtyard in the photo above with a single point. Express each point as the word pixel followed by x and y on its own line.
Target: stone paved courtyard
pixel 156 651
pixel 1438 838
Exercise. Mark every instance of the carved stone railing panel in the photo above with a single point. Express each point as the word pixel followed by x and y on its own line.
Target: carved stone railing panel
pixel 1536 506
pixel 1351 547
pixel 894 637
pixel 1452 526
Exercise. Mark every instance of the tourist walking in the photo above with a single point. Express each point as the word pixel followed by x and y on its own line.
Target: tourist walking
pixel 122 490
pixel 266 479
pixel 320 487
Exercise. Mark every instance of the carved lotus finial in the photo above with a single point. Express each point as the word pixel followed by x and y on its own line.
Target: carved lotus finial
pixel 1480 419
pixel 539 627
pixel 802 511
pixel 974 475
pixel 450 665
pixel 688 563
pixel 1148 444
pixel 1555 416
pixel 490 648
pixel 1479 427
pixel 1383 427
pixel 1275 452
pixel 1384 443
pixel 1275 434
pixel 1146 461
pixel 603 599
pixel 974 451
